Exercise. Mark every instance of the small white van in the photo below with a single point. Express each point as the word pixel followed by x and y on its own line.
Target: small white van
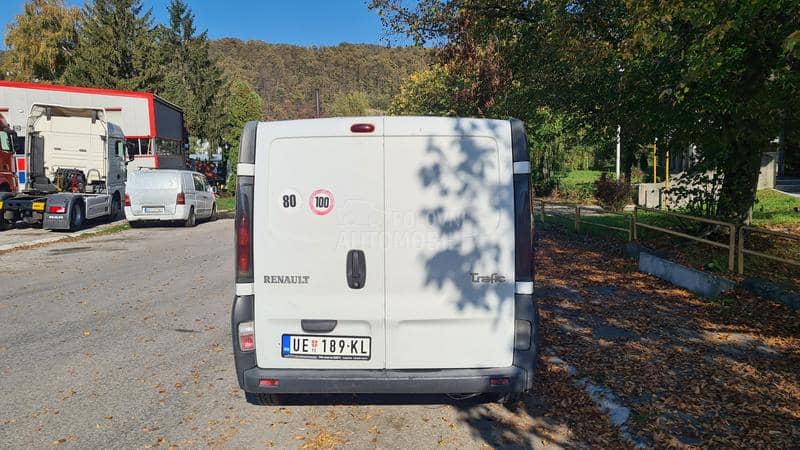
pixel 153 195
pixel 384 255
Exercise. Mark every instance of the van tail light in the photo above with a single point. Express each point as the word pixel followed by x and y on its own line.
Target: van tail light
pixel 57 209
pixel 244 229
pixel 127 200
pixel 247 336
pixel 180 199
pixel 269 382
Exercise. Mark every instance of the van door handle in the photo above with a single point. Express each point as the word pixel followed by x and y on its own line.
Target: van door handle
pixel 356 269
pixel 318 326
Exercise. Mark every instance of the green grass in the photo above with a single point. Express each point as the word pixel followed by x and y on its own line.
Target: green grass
pixel 775 208
pixel 226 203
pixel 578 185
pixel 577 177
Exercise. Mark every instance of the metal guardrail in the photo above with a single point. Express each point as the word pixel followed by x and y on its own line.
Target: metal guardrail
pixel 735 246
pixel 731 246
pixel 743 251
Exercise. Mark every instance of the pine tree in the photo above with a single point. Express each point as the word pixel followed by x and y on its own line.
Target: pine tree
pixel 192 79
pixel 116 48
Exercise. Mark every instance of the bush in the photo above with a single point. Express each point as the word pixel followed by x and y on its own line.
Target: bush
pixel 578 193
pixel 612 194
pixel 543 186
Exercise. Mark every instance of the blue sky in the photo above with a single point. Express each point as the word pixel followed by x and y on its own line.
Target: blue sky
pixel 301 22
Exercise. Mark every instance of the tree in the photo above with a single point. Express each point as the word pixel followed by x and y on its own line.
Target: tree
pixel 349 104
pixel 40 41
pixel 242 104
pixel 714 73
pixel 116 47
pixel 191 78
pixel 429 92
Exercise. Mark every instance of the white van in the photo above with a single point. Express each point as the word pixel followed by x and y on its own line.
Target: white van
pixel 384 255
pixel 168 195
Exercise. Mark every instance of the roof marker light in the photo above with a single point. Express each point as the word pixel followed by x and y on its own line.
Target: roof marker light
pixel 362 128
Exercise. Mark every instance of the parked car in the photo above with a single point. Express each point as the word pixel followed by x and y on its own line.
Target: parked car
pixel 384 255
pixel 168 195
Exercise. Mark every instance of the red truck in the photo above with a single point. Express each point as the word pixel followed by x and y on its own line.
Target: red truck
pixel 8 175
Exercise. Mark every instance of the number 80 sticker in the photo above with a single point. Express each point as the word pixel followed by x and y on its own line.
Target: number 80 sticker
pixel 321 202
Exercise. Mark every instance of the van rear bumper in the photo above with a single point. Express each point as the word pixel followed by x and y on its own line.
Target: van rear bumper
pixel 520 374
pixel 332 381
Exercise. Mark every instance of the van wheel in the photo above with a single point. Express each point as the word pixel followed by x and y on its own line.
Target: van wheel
pixel 191 220
pixel 213 215
pixel 261 399
pixel 76 217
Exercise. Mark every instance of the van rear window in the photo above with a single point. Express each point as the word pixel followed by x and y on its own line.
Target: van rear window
pixel 150 180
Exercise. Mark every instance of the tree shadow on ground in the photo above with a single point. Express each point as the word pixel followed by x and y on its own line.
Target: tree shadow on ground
pixel 694 372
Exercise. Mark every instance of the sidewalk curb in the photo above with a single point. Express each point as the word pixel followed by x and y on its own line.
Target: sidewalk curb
pixel 605 400
pixel 60 237
pixel 224 214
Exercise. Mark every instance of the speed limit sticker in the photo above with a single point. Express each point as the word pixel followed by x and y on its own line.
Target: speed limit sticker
pixel 290 200
pixel 321 202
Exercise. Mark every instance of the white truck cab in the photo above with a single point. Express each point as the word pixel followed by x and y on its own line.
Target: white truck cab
pixel 76 164
pixel 384 255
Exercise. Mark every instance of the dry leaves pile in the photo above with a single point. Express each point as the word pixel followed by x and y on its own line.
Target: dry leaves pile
pixel 721 373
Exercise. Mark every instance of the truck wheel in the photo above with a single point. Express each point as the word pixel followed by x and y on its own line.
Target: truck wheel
pixel 191 220
pixel 261 399
pixel 76 217
pixel 116 207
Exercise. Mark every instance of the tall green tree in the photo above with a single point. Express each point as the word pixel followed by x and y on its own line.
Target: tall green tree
pixel 40 41
pixel 242 104
pixel 116 47
pixel 191 77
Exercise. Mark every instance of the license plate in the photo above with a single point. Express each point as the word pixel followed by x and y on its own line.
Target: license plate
pixel 326 347
pixel 151 210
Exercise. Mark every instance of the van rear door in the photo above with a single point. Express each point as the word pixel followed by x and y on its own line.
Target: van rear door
pixel 318 250
pixel 153 191
pixel 450 243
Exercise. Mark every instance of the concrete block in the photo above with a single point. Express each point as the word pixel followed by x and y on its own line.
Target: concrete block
pixel 701 283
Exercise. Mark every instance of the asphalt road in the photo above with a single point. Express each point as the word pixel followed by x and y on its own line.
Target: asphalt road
pixel 123 341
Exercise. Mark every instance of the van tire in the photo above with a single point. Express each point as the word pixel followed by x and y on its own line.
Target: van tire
pixel 77 217
pixel 191 220
pixel 261 399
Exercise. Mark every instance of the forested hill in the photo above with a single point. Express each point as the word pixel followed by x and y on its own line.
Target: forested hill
pixel 286 75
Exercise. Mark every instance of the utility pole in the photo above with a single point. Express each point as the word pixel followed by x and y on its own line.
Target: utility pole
pixel 316 101
pixel 619 153
pixel 655 161
pixel 666 180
